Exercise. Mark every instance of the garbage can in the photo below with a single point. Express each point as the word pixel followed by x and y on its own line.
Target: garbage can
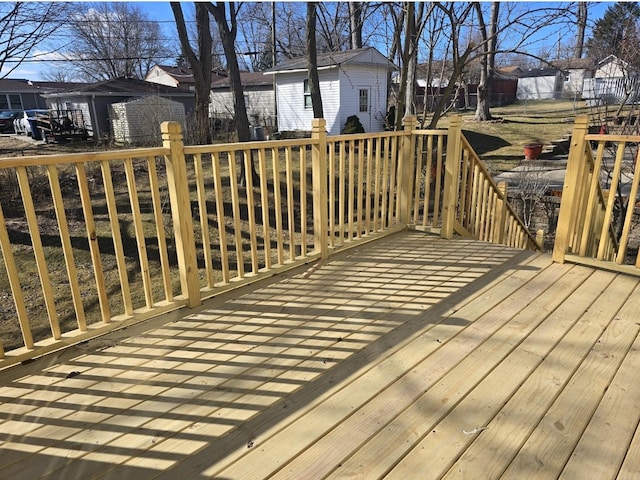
pixel 36 133
pixel 257 133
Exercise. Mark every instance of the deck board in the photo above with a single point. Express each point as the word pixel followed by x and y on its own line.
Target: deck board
pixel 410 357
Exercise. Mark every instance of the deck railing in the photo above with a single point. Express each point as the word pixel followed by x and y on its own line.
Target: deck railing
pixel 596 215
pixel 94 242
pixel 474 205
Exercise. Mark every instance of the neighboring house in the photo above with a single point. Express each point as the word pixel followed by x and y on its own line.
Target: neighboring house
pixel 614 81
pixel 20 95
pixel 94 100
pixel 540 84
pixel 259 98
pixel 258 92
pixel 136 121
pixel 178 77
pixel 576 71
pixel 353 82
pixel 464 96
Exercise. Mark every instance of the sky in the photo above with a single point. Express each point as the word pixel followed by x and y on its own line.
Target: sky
pixel 161 11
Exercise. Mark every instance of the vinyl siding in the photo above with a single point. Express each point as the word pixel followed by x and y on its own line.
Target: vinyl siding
pixel 339 88
pixel 538 88
pixel 292 114
pixel 355 78
pixel 260 105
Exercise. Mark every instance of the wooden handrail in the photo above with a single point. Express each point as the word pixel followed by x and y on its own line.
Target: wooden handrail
pixel 586 231
pixel 473 204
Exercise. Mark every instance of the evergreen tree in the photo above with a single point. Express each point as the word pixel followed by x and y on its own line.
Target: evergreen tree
pixel 615 32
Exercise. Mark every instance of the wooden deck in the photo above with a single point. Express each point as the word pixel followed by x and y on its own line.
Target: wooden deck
pixel 410 357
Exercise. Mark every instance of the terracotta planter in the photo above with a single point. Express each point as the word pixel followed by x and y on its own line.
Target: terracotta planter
pixel 532 150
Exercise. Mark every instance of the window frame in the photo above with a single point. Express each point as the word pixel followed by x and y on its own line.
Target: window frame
pixel 362 90
pixel 307 102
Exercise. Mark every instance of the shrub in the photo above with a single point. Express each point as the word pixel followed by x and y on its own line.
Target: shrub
pixel 353 125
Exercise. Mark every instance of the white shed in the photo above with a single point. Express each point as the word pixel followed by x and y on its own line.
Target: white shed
pixel 138 121
pixel 353 82
pixel 540 84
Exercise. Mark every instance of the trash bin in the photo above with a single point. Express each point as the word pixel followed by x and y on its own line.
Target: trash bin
pixel 36 133
pixel 257 133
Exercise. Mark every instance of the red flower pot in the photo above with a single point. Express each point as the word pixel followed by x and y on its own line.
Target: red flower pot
pixel 532 150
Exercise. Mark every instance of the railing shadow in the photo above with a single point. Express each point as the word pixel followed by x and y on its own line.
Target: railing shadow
pixel 188 396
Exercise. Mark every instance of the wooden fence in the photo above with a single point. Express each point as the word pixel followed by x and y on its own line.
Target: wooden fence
pixel 97 241
pixel 596 217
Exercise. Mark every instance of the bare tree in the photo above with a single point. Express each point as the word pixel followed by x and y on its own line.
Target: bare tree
pixel 413 22
pixel 25 26
pixel 487 60
pixel 355 23
pixel 474 38
pixel 581 22
pixel 456 15
pixel 227 21
pixel 312 62
pixel 112 40
pixel 531 189
pixel 256 29
pixel 228 29
pixel 200 63
pixel 60 74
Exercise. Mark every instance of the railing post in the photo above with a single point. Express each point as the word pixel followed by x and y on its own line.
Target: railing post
pixel 569 208
pixel 501 214
pixel 451 174
pixel 181 212
pixel 406 169
pixel 320 179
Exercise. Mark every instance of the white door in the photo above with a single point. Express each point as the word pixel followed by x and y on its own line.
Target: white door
pixel 364 107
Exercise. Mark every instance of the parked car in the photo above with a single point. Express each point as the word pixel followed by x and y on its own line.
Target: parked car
pixel 23 124
pixel 6 120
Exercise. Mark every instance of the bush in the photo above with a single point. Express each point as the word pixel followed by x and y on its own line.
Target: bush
pixel 353 125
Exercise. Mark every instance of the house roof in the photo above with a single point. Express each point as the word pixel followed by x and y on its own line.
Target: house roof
pixel 184 75
pixel 9 85
pixel 249 79
pixel 368 56
pixel 58 86
pixel 122 87
pixel 509 71
pixel 575 64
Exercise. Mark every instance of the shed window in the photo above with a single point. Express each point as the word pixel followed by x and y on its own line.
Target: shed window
pixel 363 100
pixel 307 95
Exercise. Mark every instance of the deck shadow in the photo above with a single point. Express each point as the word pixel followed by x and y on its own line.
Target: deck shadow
pixel 220 378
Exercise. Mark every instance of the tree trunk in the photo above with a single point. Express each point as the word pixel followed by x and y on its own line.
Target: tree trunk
pixel 228 31
pixel 489 41
pixel 355 18
pixel 201 67
pixel 312 62
pixel 405 91
pixel 582 25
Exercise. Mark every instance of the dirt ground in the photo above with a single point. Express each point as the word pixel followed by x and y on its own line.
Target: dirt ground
pixel 20 146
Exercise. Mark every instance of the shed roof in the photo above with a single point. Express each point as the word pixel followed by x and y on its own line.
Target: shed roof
pixel 540 72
